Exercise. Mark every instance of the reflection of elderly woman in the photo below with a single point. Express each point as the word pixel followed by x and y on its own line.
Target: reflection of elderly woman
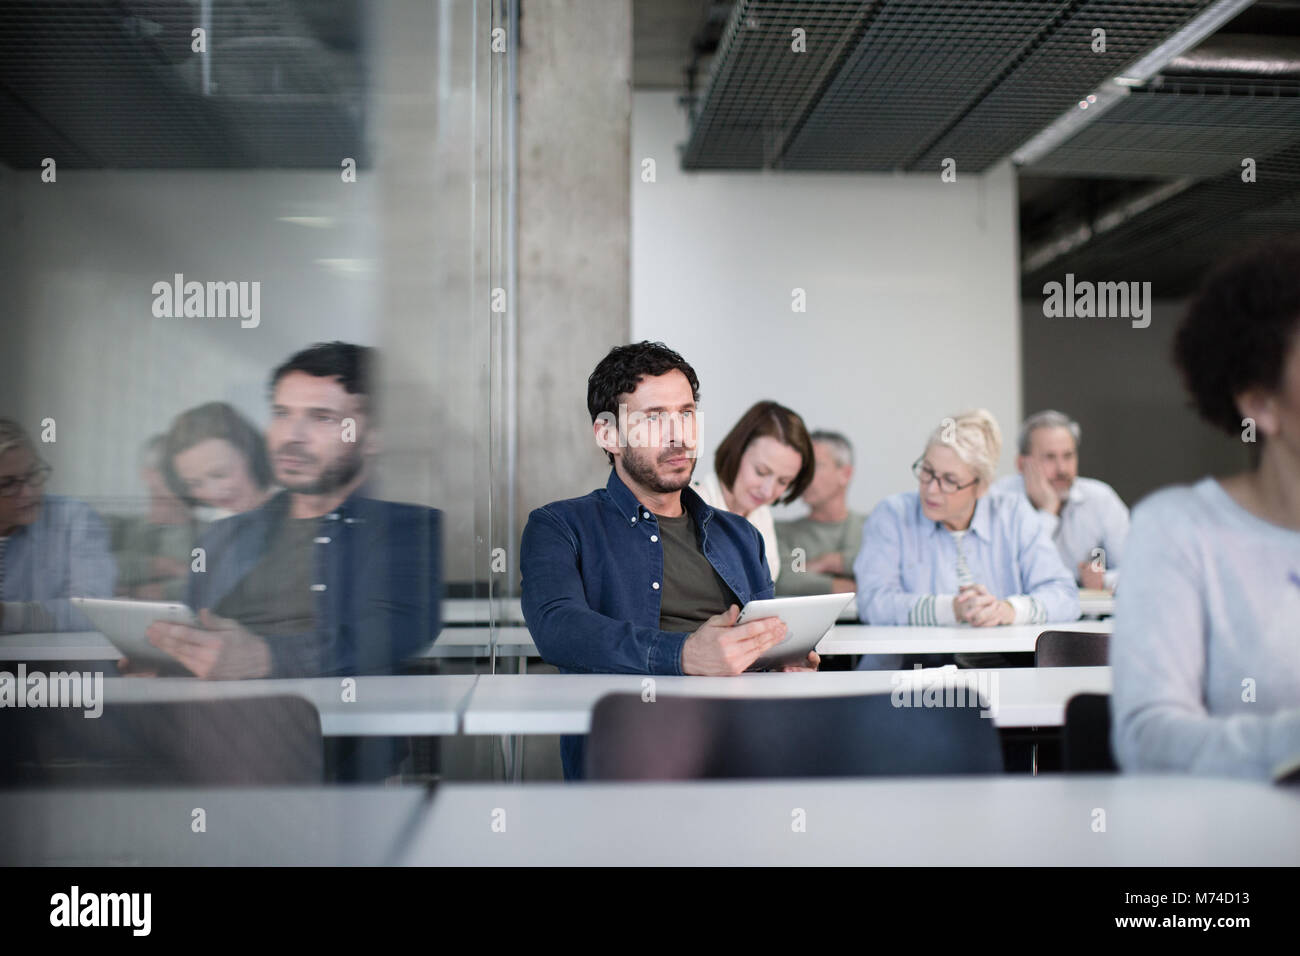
pixel 950 553
pixel 51 548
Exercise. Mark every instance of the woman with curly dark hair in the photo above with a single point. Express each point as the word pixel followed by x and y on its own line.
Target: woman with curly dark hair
pixel 1205 653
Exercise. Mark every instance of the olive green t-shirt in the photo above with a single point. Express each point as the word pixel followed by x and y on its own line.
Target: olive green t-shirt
pixel 275 597
pixel 692 591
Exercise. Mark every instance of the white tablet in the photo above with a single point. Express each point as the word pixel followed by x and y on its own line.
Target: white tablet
pixel 124 623
pixel 807 621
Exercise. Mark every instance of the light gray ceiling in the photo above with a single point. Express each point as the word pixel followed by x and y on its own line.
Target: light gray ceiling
pixel 1153 181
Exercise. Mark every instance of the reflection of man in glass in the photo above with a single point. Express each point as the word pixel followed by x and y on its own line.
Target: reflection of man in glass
pixel 321 579
pixel 51 548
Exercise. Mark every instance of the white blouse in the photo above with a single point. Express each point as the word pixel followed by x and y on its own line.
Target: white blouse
pixel 710 489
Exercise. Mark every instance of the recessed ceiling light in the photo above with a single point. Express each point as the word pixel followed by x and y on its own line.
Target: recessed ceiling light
pixel 314 222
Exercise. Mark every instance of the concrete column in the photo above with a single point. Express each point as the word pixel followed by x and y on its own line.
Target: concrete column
pixel 429 136
pixel 575 108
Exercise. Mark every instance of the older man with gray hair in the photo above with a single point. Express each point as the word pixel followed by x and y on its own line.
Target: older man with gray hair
pixel 1087 520
pixel 821 546
pixel 51 548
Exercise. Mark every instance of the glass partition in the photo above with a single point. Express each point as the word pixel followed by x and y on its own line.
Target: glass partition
pixel 248 385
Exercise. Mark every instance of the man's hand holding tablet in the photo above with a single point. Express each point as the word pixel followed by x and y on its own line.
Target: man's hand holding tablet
pixel 218 649
pixel 723 648
pixel 732 643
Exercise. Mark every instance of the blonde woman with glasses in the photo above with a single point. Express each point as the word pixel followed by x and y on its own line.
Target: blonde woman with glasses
pixel 951 553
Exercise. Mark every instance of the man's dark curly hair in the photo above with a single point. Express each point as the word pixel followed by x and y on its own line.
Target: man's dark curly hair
pixel 348 364
pixel 619 372
pixel 1239 329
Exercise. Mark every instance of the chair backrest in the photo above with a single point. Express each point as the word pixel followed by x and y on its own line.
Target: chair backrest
pixel 1071 649
pixel 249 740
pixel 685 738
pixel 1085 739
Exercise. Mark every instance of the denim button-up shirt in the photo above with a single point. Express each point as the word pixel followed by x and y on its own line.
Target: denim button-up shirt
pixel 377 583
pixel 592 578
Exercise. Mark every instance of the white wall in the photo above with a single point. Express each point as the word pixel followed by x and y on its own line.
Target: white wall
pixel 913 310
pixel 1139 429
pixel 80 342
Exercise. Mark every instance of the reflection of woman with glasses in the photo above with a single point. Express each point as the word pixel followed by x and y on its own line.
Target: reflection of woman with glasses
pixel 51 548
pixel 950 553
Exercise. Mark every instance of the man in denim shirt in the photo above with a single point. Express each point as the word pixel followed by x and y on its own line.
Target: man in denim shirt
pixel 643 577
pixel 321 579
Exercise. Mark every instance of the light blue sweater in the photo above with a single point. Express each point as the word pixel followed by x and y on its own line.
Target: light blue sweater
pixel 1206 647
pixel 906 569
pixel 64 553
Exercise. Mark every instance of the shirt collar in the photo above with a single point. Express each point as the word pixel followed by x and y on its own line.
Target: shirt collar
pixel 1076 493
pixel 981 522
pixel 276 508
pixel 635 512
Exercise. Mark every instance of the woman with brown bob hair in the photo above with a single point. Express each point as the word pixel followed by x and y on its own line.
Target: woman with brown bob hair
pixel 766 459
pixel 216 458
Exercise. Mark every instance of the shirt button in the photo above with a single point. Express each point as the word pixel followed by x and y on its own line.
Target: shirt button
pixel 655 585
pixel 318 587
pixel 645 514
pixel 323 540
pixel 634 519
pixel 654 537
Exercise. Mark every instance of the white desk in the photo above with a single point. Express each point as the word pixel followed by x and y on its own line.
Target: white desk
pixel 475 611
pixel 1096 602
pixel 967 821
pixel 562 703
pixel 457 611
pixel 461 642
pixel 67 646
pixel 864 639
pixel 515 641
pixel 384 706
pixel 308 826
pixel 453 642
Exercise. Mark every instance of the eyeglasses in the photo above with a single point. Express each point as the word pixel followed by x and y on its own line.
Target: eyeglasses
pixel 925 474
pixel 35 478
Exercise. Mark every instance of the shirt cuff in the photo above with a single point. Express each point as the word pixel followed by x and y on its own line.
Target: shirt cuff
pixel 1111 579
pixel 1028 609
pixel 943 611
pixel 1050 522
pixel 26 617
pixel 932 609
pixel 666 653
